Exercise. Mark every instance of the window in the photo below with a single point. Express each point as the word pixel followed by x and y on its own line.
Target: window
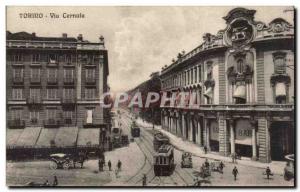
pixel 199 73
pixel 35 73
pixel 68 93
pixel 90 59
pixel 18 73
pixel 68 115
pixel 279 64
pixel 195 69
pixel 209 70
pixel 52 93
pixel 17 93
pixel 35 93
pixel 68 58
pixel 90 93
pixel 240 66
pixel 90 73
pixel 188 77
pixel 89 116
pixel 52 73
pixel 36 58
pixel 17 57
pixel 192 77
pixel 53 58
pixel 16 114
pixel 51 113
pixel 240 101
pixel 34 116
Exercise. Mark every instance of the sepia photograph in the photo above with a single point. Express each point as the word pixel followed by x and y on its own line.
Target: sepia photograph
pixel 150 96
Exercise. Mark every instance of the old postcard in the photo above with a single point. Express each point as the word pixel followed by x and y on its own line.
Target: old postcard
pixel 167 96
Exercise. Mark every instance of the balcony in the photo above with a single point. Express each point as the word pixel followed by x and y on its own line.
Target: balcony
pixel 51 123
pixel 35 80
pixel 16 124
pixel 68 100
pixel 18 80
pixel 52 63
pixel 52 80
pixel 34 101
pixel 69 81
pixel 90 81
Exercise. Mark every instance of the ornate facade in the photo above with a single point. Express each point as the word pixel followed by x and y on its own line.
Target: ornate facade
pixel 53 90
pixel 243 78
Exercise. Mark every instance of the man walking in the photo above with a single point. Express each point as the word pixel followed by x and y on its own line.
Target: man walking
pixel 235 172
pixel 109 165
pixel 55 182
pixel 119 165
pixel 268 172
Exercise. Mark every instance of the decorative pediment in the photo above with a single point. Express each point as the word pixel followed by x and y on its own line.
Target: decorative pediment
pixel 279 25
pixel 239 13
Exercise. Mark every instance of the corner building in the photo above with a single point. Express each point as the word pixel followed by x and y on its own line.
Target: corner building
pixel 53 88
pixel 243 78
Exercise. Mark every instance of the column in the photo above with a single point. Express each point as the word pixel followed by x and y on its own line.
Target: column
pixel 254 145
pixel 199 132
pixel 178 126
pixel 183 126
pixel 232 140
pixel 208 135
pixel 191 129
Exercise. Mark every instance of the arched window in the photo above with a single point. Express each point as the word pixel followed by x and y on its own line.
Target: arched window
pixel 240 66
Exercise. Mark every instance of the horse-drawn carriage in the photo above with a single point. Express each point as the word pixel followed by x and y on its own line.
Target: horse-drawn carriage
pixel 66 161
pixel 186 160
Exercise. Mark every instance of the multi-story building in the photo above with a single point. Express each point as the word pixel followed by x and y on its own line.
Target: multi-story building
pixel 53 91
pixel 243 78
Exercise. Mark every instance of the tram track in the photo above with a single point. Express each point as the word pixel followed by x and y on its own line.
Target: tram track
pixel 176 178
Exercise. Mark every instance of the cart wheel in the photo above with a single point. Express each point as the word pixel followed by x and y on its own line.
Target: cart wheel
pixel 53 165
pixel 66 165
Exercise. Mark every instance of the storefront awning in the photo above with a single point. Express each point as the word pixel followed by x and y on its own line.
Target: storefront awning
pixel 46 137
pixel 29 137
pixel 208 93
pixel 66 137
pixel 280 90
pixel 240 92
pixel 12 136
pixel 88 137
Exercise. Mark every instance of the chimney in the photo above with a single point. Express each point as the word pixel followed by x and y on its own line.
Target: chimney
pixel 33 34
pixel 64 35
pixel 79 37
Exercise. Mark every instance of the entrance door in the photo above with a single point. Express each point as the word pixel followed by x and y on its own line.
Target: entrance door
pixel 281 140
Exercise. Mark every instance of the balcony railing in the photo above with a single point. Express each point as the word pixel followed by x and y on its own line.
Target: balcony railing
pixel 18 80
pixel 16 123
pixel 52 80
pixel 68 100
pixel 51 123
pixel 237 107
pixel 34 100
pixel 90 81
pixel 35 80
pixel 68 81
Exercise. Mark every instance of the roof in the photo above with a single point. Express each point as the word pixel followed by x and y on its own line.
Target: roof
pixel 88 137
pixel 66 137
pixel 32 36
pixel 29 137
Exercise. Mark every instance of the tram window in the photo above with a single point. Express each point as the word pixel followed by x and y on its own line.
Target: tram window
pixel 165 160
pixel 160 158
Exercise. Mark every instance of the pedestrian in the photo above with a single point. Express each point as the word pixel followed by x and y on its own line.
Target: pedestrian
pixel 221 166
pixel 235 172
pixel 144 180
pixel 206 163
pixel 268 172
pixel 119 165
pixel 205 149
pixel 55 182
pixel 100 165
pixel 109 165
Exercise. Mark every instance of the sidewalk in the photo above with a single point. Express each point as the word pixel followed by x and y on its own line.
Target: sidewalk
pixel 277 167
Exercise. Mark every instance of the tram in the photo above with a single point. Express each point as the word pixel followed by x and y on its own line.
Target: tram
pixel 164 161
pixel 135 130
pixel 159 140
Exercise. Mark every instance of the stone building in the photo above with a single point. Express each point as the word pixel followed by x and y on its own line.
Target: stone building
pixel 53 90
pixel 243 78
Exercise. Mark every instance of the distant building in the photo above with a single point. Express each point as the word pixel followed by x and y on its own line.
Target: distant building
pixel 244 81
pixel 151 113
pixel 53 90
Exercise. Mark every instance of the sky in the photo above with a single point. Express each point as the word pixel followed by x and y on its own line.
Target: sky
pixel 139 40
